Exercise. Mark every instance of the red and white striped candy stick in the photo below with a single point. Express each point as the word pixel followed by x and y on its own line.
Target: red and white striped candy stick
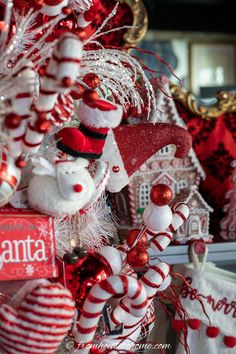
pixel 154 278
pixel 161 240
pixel 152 281
pixel 98 296
pixel 180 215
pixel 26 84
pixel 61 73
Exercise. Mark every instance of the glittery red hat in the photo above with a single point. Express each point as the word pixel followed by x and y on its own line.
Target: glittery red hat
pixel 129 146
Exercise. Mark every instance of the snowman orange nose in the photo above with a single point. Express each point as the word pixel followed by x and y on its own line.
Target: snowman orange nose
pixel 78 188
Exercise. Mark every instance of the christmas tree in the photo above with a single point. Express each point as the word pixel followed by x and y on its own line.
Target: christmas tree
pixel 64 97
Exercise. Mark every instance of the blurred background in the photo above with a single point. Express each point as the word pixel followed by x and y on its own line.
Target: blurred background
pixel 198 39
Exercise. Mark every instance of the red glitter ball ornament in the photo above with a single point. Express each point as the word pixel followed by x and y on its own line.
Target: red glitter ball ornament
pixel 81 276
pixel 66 10
pixel 137 257
pixel 92 80
pixel 115 169
pixel 67 82
pixel 161 194
pixel 12 121
pixel 132 236
pixel 21 162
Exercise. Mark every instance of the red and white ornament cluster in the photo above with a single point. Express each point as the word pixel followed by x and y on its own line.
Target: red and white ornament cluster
pixel 160 222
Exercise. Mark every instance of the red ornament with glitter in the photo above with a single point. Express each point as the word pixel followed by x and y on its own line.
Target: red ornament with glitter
pixel 132 236
pixel 137 257
pixel 161 194
pixel 92 269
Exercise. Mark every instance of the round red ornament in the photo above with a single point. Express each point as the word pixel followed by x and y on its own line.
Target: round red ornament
pixel 161 194
pixel 81 276
pixel 115 169
pixel 12 121
pixel 212 332
pixel 67 82
pixel 230 341
pixel 21 162
pixel 137 257
pixel 92 80
pixel 89 96
pixel 194 323
pixel 132 236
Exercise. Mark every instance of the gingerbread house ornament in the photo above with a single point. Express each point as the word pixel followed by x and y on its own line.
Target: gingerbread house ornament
pixel 162 167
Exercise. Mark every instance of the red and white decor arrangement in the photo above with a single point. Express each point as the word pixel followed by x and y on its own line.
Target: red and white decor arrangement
pixel 64 277
pixel 164 166
pixel 214 330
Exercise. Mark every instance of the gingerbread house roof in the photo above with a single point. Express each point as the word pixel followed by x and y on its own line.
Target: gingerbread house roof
pixel 163 174
pixel 168 112
pixel 187 194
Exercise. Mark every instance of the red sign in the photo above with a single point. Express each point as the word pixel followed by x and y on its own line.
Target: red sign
pixel 27 245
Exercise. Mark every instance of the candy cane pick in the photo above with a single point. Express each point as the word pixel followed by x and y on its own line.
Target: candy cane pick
pixel 61 73
pixel 16 122
pixel 180 215
pixel 97 298
pixel 154 278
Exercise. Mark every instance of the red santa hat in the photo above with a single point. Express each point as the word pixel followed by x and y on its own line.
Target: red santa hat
pixel 129 146
pixel 97 116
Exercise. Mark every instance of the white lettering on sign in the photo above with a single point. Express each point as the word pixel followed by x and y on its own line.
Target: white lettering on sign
pixel 18 251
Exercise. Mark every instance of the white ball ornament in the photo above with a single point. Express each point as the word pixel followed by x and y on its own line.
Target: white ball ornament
pixel 157 218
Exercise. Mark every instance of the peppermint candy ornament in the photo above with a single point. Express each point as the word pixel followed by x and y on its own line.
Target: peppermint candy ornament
pixel 40 323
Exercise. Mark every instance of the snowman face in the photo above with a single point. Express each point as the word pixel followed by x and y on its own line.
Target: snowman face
pixel 75 182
